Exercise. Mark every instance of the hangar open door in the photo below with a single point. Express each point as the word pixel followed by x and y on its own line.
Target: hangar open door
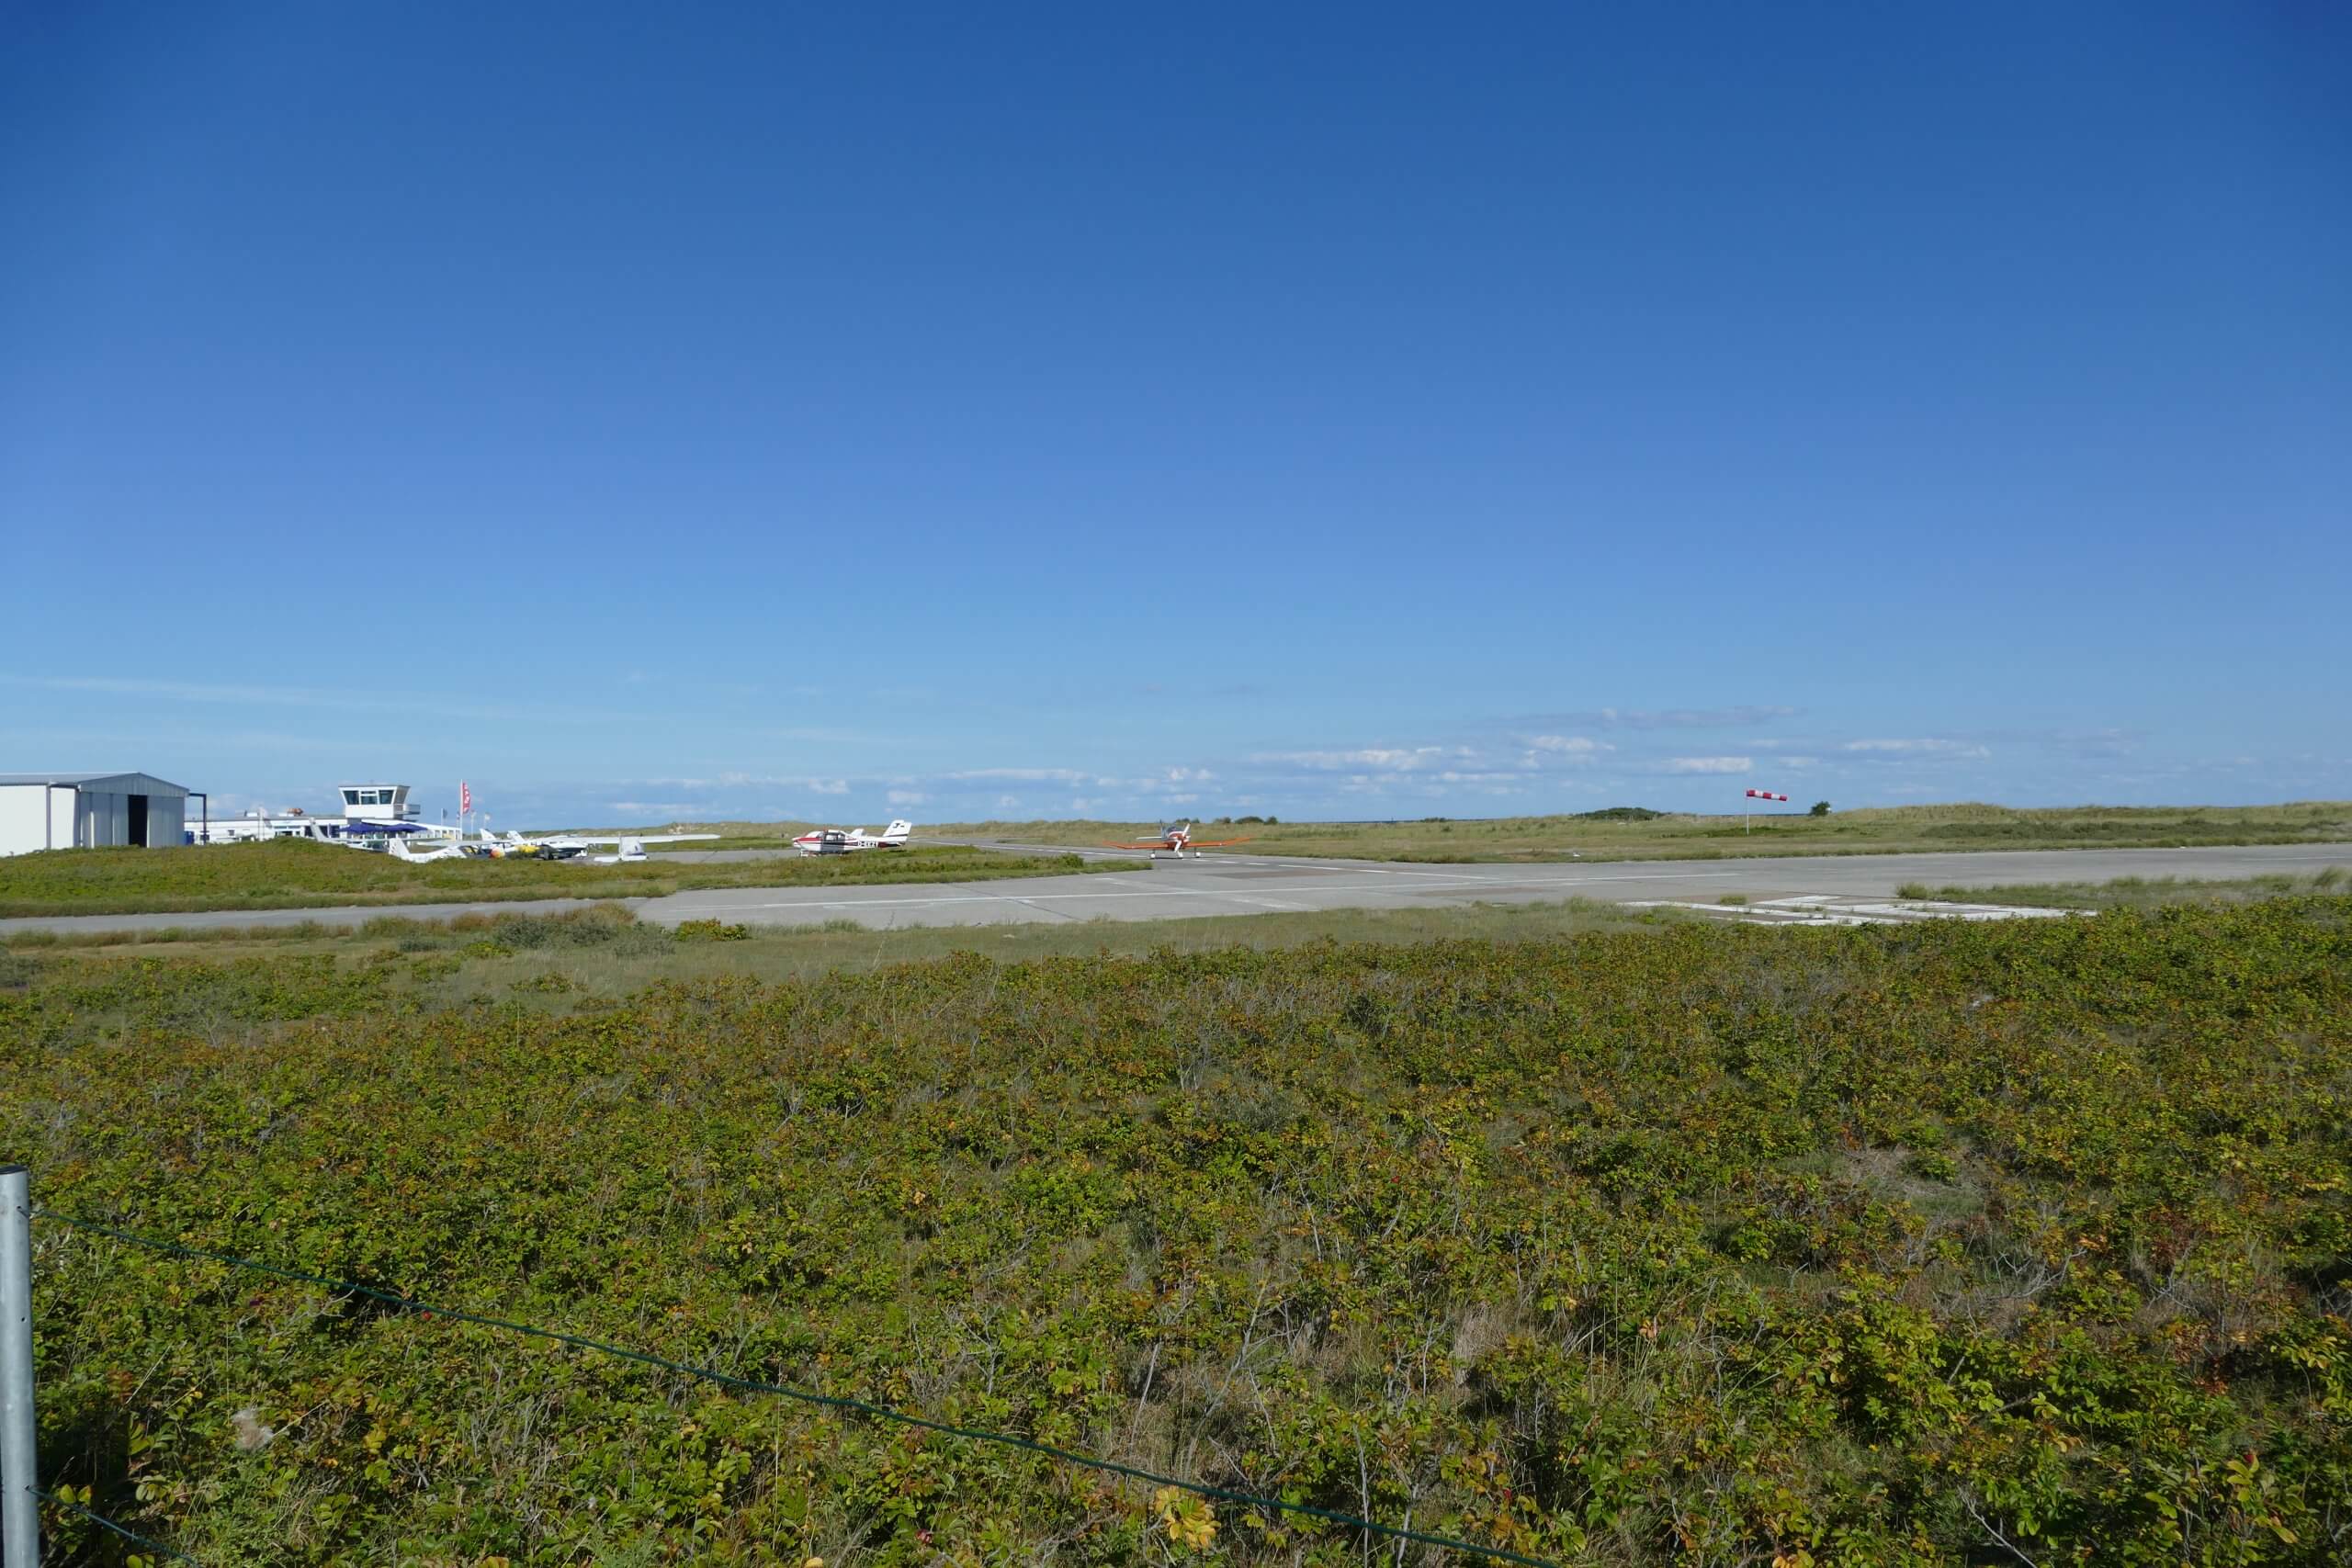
pixel 61 811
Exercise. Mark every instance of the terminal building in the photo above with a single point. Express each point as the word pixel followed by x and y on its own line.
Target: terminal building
pixel 82 811
pixel 372 813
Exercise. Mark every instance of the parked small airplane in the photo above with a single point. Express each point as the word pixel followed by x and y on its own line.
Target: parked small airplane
pixel 840 841
pixel 573 846
pixel 1176 838
pixel 452 850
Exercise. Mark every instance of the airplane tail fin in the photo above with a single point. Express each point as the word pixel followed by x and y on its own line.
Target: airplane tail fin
pixel 632 849
pixel 399 850
pixel 898 829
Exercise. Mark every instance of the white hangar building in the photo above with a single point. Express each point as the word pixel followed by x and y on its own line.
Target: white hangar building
pixel 80 811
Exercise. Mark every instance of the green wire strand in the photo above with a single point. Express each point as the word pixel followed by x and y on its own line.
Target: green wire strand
pixel 131 1536
pixel 836 1402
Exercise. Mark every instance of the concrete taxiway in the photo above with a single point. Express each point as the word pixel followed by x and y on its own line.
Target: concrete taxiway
pixel 1229 883
pixel 1233 883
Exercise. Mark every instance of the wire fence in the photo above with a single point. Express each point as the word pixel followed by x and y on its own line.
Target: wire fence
pixel 132 1535
pixel 882 1413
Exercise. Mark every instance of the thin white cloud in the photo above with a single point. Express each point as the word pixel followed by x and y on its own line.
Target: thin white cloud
pixel 729 779
pixel 906 797
pixel 1019 775
pixel 830 786
pixel 1578 749
pixel 1159 783
pixel 1386 759
pixel 184 691
pixel 1710 764
pixel 1927 746
pixel 340 701
pixel 822 736
pixel 1662 718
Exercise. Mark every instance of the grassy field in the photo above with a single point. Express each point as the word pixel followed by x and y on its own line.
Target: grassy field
pixel 2134 892
pixel 1884 831
pixel 289 874
pixel 604 950
pixel 1953 1244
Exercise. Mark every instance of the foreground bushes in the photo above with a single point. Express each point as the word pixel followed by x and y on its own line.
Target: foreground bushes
pixel 1940 1245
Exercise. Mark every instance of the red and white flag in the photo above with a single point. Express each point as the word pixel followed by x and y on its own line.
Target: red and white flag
pixel 1764 795
pixel 466 797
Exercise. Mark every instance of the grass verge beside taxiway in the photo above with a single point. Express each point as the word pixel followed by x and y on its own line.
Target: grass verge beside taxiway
pixel 290 873
pixel 2133 892
pixel 1901 830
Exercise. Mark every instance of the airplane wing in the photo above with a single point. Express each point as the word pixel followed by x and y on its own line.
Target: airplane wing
pixel 617 839
pixel 1214 843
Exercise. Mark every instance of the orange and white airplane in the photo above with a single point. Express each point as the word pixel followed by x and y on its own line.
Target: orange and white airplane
pixel 1176 838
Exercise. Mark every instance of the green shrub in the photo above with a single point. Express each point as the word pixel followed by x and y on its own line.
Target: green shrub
pixel 1694 1243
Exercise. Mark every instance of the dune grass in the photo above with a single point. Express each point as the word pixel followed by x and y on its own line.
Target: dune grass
pixel 288 873
pixel 651 952
pixel 1604 836
pixel 2135 891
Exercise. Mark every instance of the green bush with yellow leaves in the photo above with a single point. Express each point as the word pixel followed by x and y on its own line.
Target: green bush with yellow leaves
pixel 1951 1244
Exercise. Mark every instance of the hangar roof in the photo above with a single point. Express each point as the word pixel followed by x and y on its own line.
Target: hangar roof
pixel 131 784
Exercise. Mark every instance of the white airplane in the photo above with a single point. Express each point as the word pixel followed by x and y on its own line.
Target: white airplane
pixel 631 851
pixel 454 850
pixel 840 841
pixel 630 847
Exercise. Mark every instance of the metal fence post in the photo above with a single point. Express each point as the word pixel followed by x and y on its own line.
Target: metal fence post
pixel 19 1478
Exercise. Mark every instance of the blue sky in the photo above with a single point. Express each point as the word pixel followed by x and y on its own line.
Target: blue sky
pixel 961 412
